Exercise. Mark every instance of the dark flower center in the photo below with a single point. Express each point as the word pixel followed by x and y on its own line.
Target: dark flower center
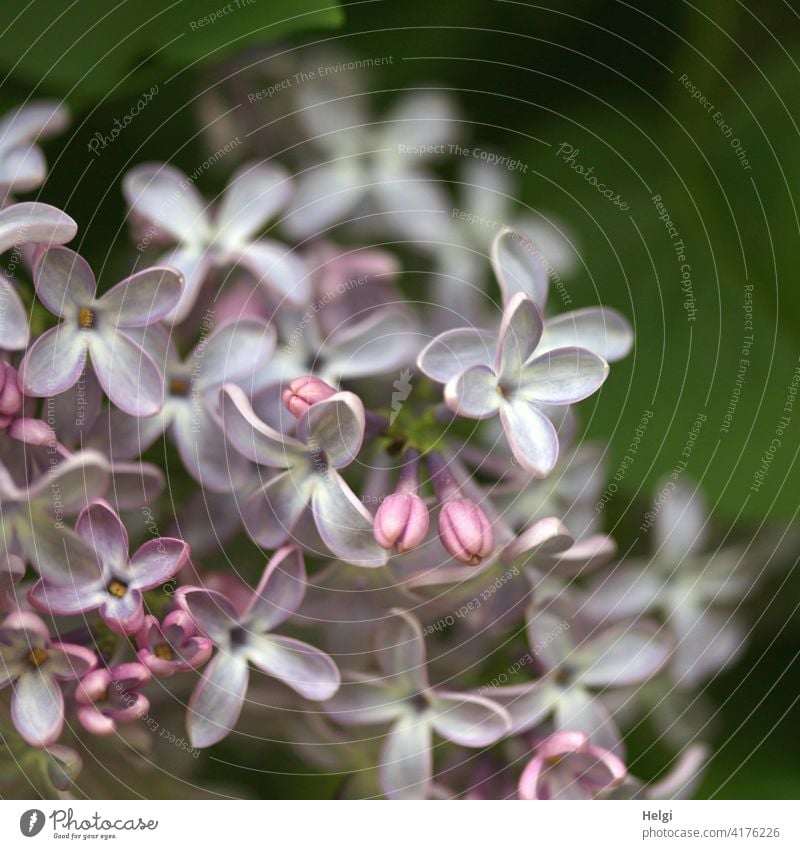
pixel 85 318
pixel 419 701
pixel 179 386
pixel 117 589
pixel 36 657
pixel 164 652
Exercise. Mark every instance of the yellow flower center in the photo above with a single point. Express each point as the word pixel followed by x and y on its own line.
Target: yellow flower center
pixel 164 652
pixel 85 318
pixel 36 657
pixel 179 386
pixel 117 589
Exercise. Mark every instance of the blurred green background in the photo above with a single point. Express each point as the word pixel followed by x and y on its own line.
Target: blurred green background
pixel 615 81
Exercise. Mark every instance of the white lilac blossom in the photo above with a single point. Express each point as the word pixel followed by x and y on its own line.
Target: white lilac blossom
pixel 244 636
pixel 115 582
pixel 96 327
pixel 22 163
pixel 515 380
pixel 166 206
pixel 33 664
pixel 695 591
pixel 400 695
pixel 373 168
pixel 232 353
pixel 329 436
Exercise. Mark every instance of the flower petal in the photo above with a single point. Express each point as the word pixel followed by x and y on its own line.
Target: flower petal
pixel 14 332
pixel 473 393
pixel 531 435
pixel 601 330
pixel 578 710
pixel 621 655
pixel 68 661
pixel 276 267
pixel 549 639
pixel 520 332
pixel 164 196
pixel 468 720
pixel 361 700
pixel 123 615
pixel 400 650
pixel 406 765
pixel 64 281
pixel 335 427
pixel 234 351
pixel 37 708
pixel 682 521
pixel 562 376
pixel 527 704
pixel 157 561
pixel 128 375
pixel 254 439
pixel 279 592
pixel 68 598
pixel 143 298
pixel 344 524
pixel 325 195
pixel 454 351
pixel 255 193
pixel 217 700
pixel 307 670
pixel 100 527
pixel 271 513
pixel 26 223
pixel 518 267
pixel 211 612
pixel 54 362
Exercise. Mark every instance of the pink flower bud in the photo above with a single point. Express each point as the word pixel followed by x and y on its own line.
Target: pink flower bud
pixel 465 531
pixel 31 431
pixel 401 522
pixel 10 395
pixel 304 392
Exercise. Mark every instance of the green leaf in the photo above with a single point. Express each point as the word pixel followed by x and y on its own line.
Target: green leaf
pixel 87 50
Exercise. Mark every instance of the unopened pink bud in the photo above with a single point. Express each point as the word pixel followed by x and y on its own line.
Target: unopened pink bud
pixel 401 522
pixel 10 395
pixel 304 392
pixel 465 531
pixel 31 431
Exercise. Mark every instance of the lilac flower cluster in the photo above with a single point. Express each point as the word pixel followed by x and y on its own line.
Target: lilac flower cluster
pixel 396 472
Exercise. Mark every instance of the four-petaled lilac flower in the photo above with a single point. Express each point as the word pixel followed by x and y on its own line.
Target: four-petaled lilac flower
pixel 165 199
pixel 230 353
pixel 576 660
pixel 243 636
pixel 23 224
pixel 117 580
pixel 32 517
pixel 568 766
pixel 403 697
pixel 34 664
pixel 329 436
pixel 22 164
pixel 97 327
pixel 107 697
pixel 172 645
pixel 515 381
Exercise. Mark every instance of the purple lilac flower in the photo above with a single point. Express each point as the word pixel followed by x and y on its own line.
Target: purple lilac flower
pixel 401 695
pixel 368 164
pixel 172 645
pixel 26 224
pixel 115 584
pixel 33 664
pixel 568 766
pixel 575 661
pixel 243 636
pixel 22 163
pixel 329 437
pixel 516 381
pixel 231 353
pixel 33 515
pixel 692 591
pixel 164 199
pixel 97 327
pixel 109 697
